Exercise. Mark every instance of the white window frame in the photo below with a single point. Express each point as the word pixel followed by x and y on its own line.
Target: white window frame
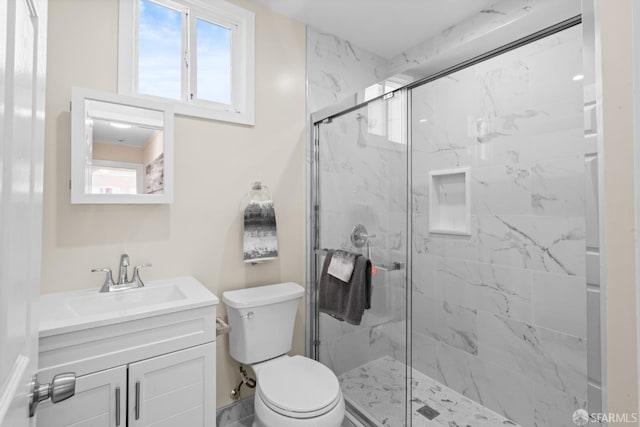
pixel 240 21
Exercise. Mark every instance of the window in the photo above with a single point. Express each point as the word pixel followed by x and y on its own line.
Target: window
pixel 198 55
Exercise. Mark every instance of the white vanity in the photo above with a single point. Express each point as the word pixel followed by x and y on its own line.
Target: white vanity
pixel 141 356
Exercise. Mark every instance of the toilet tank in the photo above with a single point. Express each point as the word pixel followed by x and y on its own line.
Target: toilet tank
pixel 261 321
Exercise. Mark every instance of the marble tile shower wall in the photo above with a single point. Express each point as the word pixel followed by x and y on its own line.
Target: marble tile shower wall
pixel 363 181
pixel 500 316
pixel 336 68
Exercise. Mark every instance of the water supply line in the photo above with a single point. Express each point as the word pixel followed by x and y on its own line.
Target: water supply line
pixel 246 380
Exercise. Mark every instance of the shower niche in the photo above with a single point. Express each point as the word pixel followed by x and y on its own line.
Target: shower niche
pixel 449 202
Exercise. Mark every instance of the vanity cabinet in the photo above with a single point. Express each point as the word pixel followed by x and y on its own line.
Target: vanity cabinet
pixel 176 389
pixel 167 390
pixel 94 404
pixel 136 369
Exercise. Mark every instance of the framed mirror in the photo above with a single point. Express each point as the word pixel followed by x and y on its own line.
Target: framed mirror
pixel 121 149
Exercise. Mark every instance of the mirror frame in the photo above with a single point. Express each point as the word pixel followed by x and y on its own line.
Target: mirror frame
pixel 79 96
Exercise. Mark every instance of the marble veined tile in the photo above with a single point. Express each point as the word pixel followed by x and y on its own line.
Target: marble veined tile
pixel 336 68
pixel 558 186
pixel 555 408
pixel 527 149
pixel 553 244
pixel 560 303
pixel 379 390
pixel 424 274
pixel 495 289
pixel 501 190
pixel 444 245
pixel 446 322
pixel 505 391
pixel 549 358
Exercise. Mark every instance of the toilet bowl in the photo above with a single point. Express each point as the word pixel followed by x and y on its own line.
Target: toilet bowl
pixel 297 391
pixel 291 391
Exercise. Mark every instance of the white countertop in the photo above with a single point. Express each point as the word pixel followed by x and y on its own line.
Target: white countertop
pixel 65 312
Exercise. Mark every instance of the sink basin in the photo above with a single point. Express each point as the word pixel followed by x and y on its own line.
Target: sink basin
pixel 69 311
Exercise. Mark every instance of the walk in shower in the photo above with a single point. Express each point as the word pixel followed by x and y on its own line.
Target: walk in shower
pixel 467 191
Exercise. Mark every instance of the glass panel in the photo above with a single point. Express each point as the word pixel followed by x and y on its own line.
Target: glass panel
pixel 362 172
pixel 499 316
pixel 159 50
pixel 213 50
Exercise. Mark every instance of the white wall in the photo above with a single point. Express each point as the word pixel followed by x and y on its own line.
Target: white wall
pixel 614 82
pixel 200 234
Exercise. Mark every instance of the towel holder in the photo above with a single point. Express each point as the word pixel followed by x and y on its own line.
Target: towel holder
pixel 394 266
pixel 259 191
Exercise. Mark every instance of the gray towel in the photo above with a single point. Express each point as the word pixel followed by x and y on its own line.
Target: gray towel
pixel 346 301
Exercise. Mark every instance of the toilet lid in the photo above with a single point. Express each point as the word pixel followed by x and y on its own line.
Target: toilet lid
pixel 299 386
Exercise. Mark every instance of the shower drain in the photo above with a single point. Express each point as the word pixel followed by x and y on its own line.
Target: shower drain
pixel 428 411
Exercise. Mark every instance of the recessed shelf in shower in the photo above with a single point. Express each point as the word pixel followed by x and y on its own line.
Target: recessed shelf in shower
pixel 450 202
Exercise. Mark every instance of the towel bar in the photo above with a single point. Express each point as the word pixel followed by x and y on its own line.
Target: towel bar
pixel 386 267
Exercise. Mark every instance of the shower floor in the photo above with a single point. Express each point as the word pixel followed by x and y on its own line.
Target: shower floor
pixel 377 389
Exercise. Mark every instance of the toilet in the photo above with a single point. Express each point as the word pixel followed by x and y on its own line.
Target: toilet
pixel 291 391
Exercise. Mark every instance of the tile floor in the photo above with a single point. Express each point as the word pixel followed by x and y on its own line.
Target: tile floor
pixel 377 389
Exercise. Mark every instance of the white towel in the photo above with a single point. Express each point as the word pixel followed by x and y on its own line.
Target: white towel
pixel 342 264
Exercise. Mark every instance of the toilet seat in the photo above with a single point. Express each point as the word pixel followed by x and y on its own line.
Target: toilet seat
pixel 298 387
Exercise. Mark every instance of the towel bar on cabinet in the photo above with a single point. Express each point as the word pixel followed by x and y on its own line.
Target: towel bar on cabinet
pixel 387 267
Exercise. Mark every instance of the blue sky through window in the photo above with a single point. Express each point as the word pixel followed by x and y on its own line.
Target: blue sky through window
pixel 213 49
pixel 160 55
pixel 159 51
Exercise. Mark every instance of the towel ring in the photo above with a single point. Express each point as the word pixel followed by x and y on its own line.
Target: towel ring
pixel 259 191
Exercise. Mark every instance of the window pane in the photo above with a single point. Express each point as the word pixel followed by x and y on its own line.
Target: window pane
pixel 159 51
pixel 213 49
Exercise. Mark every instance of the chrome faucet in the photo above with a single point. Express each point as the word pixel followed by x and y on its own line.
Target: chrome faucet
pixel 123 281
pixel 124 269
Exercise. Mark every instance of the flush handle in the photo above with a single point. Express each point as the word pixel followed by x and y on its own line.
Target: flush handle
pixel 248 316
pixel 62 387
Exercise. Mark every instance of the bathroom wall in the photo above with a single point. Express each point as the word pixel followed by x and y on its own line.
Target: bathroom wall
pixel 336 68
pixel 500 315
pixel 200 234
pixel 616 35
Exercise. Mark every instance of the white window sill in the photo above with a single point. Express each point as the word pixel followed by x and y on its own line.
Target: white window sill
pixel 191 110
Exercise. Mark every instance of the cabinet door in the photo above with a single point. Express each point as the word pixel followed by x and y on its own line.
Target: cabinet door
pixel 100 401
pixel 174 390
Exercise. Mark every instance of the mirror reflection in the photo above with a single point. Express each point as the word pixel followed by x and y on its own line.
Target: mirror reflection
pixel 125 146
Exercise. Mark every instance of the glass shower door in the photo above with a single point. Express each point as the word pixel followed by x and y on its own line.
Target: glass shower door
pixel 361 169
pixel 499 307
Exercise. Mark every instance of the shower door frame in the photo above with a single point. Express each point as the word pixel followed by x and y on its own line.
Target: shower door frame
pixel 355 102
pixel 325 116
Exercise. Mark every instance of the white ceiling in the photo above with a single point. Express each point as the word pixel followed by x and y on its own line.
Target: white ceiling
pixel 384 27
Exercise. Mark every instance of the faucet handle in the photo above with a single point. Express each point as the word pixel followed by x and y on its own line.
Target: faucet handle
pixel 108 281
pixel 136 274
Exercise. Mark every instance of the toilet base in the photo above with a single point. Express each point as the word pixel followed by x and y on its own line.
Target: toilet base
pixel 266 417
